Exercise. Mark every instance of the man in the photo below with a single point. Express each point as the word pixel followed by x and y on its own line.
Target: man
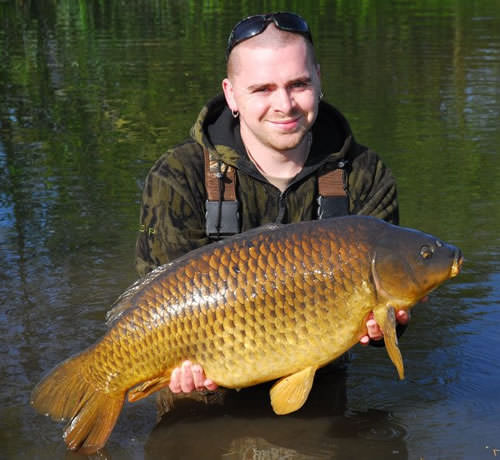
pixel 273 130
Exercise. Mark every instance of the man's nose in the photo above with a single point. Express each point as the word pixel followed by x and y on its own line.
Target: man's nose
pixel 284 101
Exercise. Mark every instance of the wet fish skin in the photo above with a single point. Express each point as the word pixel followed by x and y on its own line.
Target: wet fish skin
pixel 271 303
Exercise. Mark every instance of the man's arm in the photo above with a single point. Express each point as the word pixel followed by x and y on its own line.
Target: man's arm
pixel 172 219
pixel 372 187
pixel 171 224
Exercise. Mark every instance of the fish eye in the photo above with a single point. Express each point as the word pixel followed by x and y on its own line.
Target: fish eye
pixel 426 252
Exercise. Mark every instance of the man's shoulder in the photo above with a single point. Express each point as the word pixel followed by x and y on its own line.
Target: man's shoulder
pixel 186 157
pixel 364 158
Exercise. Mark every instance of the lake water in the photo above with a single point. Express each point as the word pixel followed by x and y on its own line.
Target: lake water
pixel 91 93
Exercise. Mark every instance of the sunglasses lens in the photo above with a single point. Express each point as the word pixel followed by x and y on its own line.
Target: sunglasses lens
pixel 254 25
pixel 291 22
pixel 245 29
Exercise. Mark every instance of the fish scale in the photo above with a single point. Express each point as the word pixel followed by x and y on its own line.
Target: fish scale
pixel 276 302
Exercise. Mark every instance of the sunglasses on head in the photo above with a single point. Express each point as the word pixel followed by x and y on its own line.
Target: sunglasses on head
pixel 255 25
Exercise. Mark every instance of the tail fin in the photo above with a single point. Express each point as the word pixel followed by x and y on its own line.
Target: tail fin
pixel 65 394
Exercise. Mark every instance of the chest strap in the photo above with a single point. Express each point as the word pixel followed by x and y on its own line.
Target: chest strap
pixel 332 196
pixel 222 209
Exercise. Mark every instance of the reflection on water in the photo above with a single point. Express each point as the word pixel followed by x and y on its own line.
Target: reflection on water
pixel 92 93
pixel 245 427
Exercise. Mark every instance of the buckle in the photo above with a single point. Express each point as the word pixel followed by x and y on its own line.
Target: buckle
pixel 332 206
pixel 229 218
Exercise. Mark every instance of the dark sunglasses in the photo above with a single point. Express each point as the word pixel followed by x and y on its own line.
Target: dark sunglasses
pixel 255 25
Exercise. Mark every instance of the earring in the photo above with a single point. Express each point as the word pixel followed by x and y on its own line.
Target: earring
pixel 235 113
pixel 321 95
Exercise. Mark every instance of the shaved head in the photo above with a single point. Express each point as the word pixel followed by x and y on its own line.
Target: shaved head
pixel 274 87
pixel 272 37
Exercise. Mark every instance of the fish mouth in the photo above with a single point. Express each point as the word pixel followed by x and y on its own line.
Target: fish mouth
pixel 458 260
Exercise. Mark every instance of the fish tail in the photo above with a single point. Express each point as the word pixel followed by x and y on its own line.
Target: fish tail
pixel 91 413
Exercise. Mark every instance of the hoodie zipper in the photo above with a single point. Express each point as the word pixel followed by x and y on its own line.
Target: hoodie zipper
pixel 281 207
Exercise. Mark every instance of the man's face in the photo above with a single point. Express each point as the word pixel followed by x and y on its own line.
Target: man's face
pixel 276 91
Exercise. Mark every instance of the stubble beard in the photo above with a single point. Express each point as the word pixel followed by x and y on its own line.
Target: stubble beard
pixel 281 142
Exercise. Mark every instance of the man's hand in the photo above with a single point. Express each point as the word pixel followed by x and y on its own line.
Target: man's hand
pixel 190 377
pixel 373 330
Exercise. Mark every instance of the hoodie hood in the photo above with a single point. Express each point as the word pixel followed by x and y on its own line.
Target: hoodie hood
pixel 218 131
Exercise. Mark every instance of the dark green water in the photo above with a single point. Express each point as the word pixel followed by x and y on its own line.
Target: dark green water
pixel 92 92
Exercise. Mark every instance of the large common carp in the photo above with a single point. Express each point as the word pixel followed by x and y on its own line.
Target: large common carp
pixel 273 303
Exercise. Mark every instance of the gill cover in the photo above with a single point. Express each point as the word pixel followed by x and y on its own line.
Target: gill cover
pixel 408 264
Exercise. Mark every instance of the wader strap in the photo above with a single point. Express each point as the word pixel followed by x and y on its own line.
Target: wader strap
pixel 213 171
pixel 332 199
pixel 222 210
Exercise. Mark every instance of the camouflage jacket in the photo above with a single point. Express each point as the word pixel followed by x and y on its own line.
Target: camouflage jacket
pixel 172 219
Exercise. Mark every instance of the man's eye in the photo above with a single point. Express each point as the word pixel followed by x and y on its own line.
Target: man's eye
pixel 303 84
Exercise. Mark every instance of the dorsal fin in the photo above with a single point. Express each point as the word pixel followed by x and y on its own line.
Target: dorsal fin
pixel 124 303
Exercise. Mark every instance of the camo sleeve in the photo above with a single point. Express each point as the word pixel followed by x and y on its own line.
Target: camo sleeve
pixel 172 218
pixel 372 188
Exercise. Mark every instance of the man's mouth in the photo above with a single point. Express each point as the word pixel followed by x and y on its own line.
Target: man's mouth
pixel 288 124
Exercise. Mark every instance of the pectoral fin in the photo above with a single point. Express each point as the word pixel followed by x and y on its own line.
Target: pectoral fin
pixel 147 387
pixel 386 319
pixel 290 393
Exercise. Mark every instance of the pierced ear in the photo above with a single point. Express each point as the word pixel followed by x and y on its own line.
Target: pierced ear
pixel 227 87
